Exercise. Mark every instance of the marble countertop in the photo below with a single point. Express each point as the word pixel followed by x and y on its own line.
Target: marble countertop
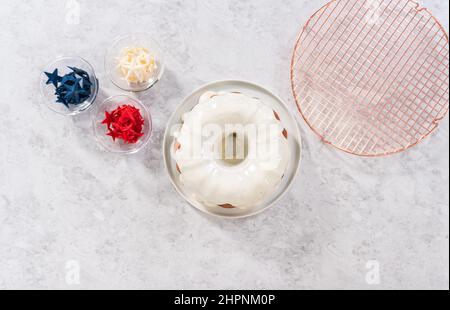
pixel 75 217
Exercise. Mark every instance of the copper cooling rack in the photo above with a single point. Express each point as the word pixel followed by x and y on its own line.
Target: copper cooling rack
pixel 371 77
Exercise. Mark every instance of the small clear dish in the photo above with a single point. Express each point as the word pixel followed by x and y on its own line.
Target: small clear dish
pixel 136 40
pixel 101 130
pixel 48 90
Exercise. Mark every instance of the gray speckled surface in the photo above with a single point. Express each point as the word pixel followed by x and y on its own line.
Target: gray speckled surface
pixel 65 205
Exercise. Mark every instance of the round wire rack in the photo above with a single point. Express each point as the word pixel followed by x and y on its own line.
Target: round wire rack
pixel 371 77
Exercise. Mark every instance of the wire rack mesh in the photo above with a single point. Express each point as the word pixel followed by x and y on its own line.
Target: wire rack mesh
pixel 371 77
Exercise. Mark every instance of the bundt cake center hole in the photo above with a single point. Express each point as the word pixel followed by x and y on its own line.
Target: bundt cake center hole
pixel 233 149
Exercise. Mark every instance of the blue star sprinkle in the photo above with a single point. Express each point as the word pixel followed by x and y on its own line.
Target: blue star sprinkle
pixel 72 88
pixel 69 79
pixel 79 72
pixel 53 78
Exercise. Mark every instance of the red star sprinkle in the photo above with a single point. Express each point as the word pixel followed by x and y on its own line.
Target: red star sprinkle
pixel 124 123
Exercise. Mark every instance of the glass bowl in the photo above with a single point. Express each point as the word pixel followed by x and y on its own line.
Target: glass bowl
pixel 118 146
pixel 48 90
pixel 133 40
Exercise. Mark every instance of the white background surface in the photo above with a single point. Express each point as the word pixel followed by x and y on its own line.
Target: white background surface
pixel 65 204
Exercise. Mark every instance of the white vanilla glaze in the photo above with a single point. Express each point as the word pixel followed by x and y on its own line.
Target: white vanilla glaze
pixel 216 183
